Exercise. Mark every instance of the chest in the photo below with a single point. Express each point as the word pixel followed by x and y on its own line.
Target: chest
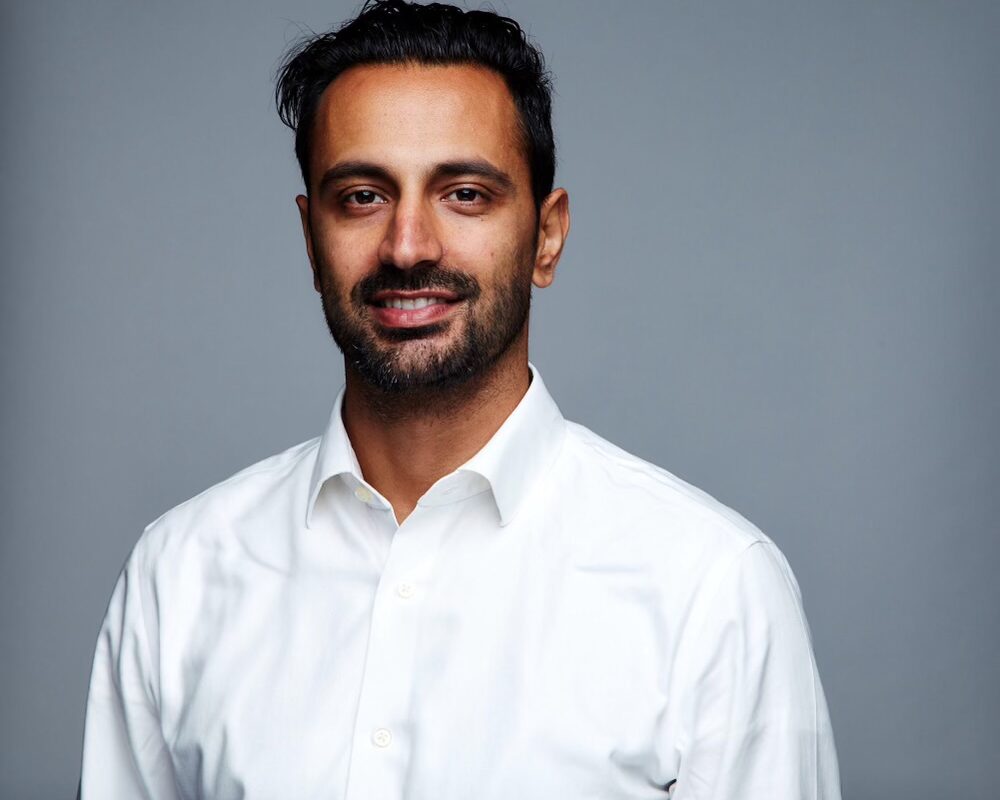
pixel 452 665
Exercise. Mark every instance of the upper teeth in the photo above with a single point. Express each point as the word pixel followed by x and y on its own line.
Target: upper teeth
pixel 408 303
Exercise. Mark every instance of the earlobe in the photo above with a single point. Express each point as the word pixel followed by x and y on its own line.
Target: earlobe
pixel 553 228
pixel 303 203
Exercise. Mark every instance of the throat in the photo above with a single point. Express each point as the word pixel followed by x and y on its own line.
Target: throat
pixel 406 442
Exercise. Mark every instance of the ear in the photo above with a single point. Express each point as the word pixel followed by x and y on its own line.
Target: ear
pixel 303 203
pixel 553 228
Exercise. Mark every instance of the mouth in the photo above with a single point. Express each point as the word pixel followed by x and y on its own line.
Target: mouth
pixel 413 308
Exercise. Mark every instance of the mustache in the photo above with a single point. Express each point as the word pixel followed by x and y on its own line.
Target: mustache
pixel 433 276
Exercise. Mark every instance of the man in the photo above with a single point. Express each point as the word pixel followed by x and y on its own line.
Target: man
pixel 453 593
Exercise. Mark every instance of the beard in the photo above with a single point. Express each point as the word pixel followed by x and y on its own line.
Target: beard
pixel 404 360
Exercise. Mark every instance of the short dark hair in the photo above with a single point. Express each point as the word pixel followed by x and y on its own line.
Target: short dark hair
pixel 397 32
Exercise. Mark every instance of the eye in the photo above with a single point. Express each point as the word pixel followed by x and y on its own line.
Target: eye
pixel 363 197
pixel 466 195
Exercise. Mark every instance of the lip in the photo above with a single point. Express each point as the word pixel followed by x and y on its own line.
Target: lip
pixel 413 317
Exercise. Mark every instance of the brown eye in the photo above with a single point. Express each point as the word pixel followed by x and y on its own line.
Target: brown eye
pixel 363 197
pixel 466 195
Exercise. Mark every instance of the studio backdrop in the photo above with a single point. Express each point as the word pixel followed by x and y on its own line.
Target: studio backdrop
pixel 781 284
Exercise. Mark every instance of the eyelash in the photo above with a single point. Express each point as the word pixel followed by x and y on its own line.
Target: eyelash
pixel 479 195
pixel 347 197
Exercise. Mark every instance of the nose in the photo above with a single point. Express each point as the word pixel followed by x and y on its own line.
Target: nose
pixel 412 238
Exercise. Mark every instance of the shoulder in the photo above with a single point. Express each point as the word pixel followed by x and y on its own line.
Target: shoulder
pixel 693 551
pixel 655 511
pixel 221 515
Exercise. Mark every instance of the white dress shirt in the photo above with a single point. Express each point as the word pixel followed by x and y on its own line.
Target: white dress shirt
pixel 555 620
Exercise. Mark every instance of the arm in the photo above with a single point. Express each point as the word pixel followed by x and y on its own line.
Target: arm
pixel 124 754
pixel 755 721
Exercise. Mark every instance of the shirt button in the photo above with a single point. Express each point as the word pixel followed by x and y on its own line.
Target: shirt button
pixel 363 494
pixel 405 590
pixel 382 737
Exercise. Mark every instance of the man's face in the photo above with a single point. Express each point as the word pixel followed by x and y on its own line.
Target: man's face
pixel 420 222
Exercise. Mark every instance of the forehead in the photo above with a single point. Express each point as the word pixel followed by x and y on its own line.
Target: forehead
pixel 407 114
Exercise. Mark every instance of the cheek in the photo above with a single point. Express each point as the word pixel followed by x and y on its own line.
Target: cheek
pixel 346 259
pixel 492 251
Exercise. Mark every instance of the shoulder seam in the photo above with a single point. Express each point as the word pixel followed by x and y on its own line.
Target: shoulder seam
pixel 247 472
pixel 706 503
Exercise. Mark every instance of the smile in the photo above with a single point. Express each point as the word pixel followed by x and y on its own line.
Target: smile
pixel 411 303
pixel 413 309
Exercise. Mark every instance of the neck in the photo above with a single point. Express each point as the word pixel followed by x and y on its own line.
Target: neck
pixel 406 441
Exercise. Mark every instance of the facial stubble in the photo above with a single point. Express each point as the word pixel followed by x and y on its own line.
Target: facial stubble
pixel 413 360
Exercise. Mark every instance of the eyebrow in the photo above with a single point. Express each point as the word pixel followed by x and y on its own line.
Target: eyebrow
pixel 353 170
pixel 478 167
pixel 366 170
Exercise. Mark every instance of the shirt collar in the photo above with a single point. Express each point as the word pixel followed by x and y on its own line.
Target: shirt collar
pixel 512 461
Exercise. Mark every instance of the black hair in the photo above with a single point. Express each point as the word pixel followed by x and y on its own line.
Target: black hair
pixel 397 32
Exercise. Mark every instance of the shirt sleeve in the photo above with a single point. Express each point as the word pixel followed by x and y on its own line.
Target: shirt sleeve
pixel 755 720
pixel 124 754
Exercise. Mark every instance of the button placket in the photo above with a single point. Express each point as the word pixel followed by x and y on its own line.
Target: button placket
pixel 381 749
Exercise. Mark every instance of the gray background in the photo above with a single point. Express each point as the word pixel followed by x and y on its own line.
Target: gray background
pixel 781 284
